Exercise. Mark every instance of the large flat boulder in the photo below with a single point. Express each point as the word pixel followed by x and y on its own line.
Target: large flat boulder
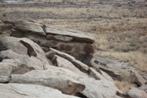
pixel 76 35
pixel 99 88
pixel 75 43
pixel 20 60
pixel 12 90
pixel 23 46
pixel 29 27
pixel 61 79
pixel 12 43
pixel 136 93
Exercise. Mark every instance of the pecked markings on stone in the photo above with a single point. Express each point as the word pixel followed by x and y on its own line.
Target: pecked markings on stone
pixel 77 35
pixel 13 90
pixel 58 78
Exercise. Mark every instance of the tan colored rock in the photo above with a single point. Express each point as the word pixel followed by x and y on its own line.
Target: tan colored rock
pixel 23 48
pixel 143 87
pixel 13 44
pixel 5 72
pixel 95 74
pixel 99 74
pixel 81 66
pixel 113 73
pixel 106 76
pixel 136 93
pixel 63 63
pixel 61 79
pixel 82 51
pixel 99 88
pixel 138 78
pixel 19 60
pixel 78 36
pixel 12 90
pixel 34 50
pixel 59 38
pixel 31 27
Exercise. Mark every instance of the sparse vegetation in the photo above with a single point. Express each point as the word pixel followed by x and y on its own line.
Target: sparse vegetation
pixel 123 85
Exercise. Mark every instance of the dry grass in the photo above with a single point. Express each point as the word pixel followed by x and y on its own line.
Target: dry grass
pixel 123 85
pixel 136 59
pixel 94 20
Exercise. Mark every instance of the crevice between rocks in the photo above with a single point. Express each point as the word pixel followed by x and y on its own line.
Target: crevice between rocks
pixel 80 95
pixel 31 51
pixel 22 69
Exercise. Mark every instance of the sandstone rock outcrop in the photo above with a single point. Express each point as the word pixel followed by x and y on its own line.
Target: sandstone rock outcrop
pixel 43 61
pixel 75 43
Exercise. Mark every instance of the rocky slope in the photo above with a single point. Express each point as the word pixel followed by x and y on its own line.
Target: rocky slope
pixel 42 61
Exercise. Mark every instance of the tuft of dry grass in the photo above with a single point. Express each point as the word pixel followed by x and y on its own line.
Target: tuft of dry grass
pixel 123 85
pixel 135 58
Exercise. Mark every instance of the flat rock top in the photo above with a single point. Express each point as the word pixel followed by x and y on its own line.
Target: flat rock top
pixel 86 37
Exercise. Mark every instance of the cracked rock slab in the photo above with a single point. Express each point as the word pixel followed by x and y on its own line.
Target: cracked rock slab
pixel 76 35
pixel 30 91
pixel 58 78
pixel 27 26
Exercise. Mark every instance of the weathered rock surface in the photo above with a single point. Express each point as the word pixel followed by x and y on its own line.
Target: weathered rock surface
pixel 25 26
pixel 143 87
pixel 5 72
pixel 22 60
pixel 99 75
pixel 79 50
pixel 58 78
pixel 138 78
pixel 136 93
pixel 59 38
pixel 83 67
pixel 24 50
pixel 75 43
pixel 13 44
pixel 12 90
pixel 99 88
pixel 78 36
pixel 95 74
pixel 63 63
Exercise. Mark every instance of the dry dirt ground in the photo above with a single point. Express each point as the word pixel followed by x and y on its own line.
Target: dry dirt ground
pixel 120 25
